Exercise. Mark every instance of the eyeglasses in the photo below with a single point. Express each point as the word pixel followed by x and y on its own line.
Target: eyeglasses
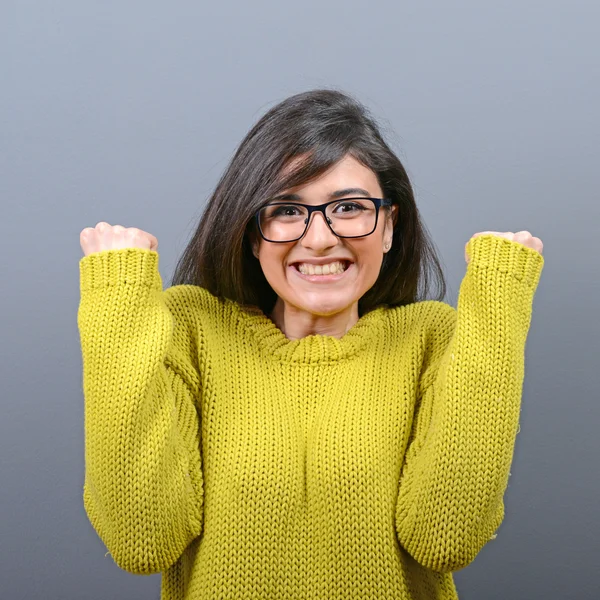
pixel 348 218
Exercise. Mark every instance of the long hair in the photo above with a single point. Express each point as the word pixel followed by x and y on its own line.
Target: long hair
pixel 321 126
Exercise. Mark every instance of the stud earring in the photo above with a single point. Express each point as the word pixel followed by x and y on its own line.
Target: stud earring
pixel 387 246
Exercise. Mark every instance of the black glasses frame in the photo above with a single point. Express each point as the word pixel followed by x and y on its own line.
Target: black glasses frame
pixel 379 202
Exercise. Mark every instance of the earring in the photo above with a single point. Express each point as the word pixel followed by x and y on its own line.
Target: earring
pixel 387 246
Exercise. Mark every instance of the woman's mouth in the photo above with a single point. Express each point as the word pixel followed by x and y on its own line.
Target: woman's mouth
pixel 322 273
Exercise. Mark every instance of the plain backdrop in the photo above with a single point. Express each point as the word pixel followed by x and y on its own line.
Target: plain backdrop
pixel 128 112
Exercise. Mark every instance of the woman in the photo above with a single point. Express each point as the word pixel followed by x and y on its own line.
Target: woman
pixel 291 418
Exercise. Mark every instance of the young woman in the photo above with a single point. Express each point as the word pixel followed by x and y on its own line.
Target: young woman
pixel 292 418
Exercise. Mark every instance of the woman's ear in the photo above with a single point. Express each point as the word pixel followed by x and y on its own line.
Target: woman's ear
pixel 394 208
pixel 390 222
pixel 253 242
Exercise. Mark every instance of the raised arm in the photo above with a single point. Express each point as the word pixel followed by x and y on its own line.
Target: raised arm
pixel 457 463
pixel 143 489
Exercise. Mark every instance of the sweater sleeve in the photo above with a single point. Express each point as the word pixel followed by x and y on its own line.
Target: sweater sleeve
pixel 456 468
pixel 143 486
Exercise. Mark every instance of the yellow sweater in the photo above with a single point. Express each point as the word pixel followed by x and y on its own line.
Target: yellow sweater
pixel 241 464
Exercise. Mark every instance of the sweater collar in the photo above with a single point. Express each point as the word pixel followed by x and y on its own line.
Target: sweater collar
pixel 312 349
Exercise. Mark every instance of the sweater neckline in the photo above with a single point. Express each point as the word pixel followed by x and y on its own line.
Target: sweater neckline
pixel 314 348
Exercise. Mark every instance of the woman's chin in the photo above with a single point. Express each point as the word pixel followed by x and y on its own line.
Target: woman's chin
pixel 325 308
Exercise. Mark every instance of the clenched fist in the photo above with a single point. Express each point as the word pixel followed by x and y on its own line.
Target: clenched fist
pixel 521 237
pixel 108 237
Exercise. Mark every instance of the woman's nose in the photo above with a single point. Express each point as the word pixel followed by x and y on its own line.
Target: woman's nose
pixel 318 233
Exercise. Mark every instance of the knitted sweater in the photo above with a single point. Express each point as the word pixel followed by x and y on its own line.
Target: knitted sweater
pixel 241 464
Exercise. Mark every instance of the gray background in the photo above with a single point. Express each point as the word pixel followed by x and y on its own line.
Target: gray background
pixel 127 112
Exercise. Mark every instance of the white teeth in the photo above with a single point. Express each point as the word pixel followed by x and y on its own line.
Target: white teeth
pixel 330 269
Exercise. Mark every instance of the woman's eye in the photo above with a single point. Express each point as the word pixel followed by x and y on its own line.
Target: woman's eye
pixel 285 211
pixel 349 207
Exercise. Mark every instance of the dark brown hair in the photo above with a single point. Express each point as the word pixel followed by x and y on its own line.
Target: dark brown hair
pixel 322 126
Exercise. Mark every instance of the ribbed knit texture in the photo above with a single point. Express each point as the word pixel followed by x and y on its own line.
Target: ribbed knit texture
pixel 244 465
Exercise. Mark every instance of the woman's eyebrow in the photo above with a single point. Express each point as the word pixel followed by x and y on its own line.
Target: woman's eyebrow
pixel 332 195
pixel 348 192
pixel 293 197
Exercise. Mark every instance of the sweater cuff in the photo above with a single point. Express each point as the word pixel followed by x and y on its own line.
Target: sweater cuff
pixel 132 266
pixel 507 256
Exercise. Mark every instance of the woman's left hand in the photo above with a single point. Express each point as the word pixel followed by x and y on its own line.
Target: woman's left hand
pixel 522 237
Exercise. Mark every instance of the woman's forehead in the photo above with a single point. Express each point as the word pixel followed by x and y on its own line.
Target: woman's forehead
pixel 346 173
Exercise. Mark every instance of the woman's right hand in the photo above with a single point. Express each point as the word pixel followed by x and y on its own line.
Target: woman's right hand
pixel 109 237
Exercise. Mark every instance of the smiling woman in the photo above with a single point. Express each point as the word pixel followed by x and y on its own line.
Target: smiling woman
pixel 291 418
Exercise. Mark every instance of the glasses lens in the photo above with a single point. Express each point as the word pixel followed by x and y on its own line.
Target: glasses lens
pixel 352 217
pixel 282 222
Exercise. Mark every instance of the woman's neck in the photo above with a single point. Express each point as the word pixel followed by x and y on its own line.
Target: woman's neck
pixel 296 323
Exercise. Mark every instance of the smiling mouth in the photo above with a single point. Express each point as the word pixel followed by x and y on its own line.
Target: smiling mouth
pixel 337 268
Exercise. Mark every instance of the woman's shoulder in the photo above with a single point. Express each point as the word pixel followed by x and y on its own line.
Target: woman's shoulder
pixel 422 315
pixel 199 301
pixel 205 312
pixel 192 293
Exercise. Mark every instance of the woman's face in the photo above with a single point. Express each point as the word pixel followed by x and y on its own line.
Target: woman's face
pixel 332 294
